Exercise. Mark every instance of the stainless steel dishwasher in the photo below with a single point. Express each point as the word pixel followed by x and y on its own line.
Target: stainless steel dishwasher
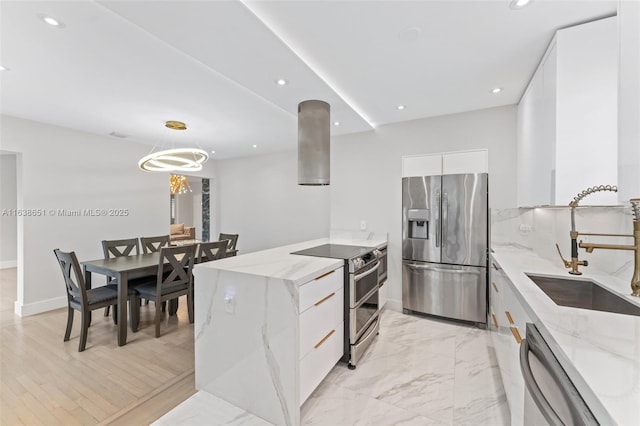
pixel 550 398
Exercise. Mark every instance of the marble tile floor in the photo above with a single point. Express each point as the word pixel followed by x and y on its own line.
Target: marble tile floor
pixel 419 371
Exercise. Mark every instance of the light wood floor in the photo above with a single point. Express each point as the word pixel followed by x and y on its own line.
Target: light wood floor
pixel 45 381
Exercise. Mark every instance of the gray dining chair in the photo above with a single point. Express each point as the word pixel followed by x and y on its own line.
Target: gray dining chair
pixel 233 241
pixel 86 300
pixel 174 279
pixel 117 248
pixel 211 251
pixel 154 244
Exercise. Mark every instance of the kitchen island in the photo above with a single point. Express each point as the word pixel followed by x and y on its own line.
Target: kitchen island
pixel 248 345
pixel 599 351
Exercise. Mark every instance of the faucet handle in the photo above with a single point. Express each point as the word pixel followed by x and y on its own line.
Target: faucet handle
pixel 567 264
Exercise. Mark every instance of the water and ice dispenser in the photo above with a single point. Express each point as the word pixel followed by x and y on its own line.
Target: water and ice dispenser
pixel 418 223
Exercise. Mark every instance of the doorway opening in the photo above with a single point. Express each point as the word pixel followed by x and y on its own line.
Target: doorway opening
pixel 8 233
pixel 190 208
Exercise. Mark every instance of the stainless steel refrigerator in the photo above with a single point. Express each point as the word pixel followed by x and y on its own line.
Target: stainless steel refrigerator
pixel 445 246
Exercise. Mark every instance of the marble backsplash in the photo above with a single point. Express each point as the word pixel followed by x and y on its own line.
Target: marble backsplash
pixel 539 229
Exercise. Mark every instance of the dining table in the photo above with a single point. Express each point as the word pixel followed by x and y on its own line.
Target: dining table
pixel 124 269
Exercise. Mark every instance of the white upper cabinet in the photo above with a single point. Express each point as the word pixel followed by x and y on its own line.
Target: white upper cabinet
pixel 567 118
pixel 447 163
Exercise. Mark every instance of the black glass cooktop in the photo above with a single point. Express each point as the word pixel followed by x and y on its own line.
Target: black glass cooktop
pixel 335 251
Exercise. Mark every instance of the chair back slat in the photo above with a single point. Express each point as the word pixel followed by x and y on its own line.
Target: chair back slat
pixel 233 240
pixel 73 277
pixel 154 244
pixel 118 248
pixel 212 251
pixel 180 265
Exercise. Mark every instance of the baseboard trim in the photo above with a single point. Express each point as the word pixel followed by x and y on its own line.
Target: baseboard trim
pixel 6 264
pixel 25 310
pixel 394 305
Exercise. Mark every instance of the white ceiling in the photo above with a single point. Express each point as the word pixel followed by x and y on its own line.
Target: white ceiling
pixel 128 66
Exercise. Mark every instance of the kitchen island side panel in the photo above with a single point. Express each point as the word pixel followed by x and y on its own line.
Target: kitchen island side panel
pixel 246 342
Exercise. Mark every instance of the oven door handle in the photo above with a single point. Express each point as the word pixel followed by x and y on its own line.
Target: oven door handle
pixel 448 271
pixel 369 272
pixel 366 297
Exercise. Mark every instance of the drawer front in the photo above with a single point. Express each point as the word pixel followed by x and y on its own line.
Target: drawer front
pixel 320 319
pixel 316 290
pixel 317 364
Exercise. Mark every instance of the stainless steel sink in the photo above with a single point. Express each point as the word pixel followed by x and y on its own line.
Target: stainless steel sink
pixel 583 294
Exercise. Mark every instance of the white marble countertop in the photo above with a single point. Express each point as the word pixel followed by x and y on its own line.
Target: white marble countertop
pixel 600 351
pixel 280 263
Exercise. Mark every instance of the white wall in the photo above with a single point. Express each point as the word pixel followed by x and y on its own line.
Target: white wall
pixel 259 199
pixel 8 222
pixel 66 169
pixel 366 171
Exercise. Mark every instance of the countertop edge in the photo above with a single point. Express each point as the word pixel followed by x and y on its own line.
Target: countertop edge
pixel 595 405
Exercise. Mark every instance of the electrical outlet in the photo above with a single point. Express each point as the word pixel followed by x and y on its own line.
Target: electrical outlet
pixel 525 229
pixel 363 225
pixel 230 303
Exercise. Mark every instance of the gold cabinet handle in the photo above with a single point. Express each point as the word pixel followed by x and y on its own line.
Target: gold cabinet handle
pixel 495 320
pixel 324 275
pixel 321 301
pixel 509 317
pixel 495 266
pixel 324 339
pixel 495 287
pixel 516 334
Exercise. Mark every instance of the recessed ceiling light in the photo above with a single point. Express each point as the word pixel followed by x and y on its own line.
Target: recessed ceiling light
pixel 400 107
pixel 336 123
pixel 213 152
pixel 519 4
pixel 281 82
pixel 255 146
pixel 496 90
pixel 51 21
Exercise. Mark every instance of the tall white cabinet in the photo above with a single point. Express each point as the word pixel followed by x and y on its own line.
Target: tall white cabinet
pixel 567 118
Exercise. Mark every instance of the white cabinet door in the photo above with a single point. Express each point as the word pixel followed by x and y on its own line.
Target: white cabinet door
pixel 536 137
pixel 587 111
pixel 567 118
pixel 320 319
pixel 446 163
pixel 454 163
pixel 508 327
pixel 422 165
pixel 318 363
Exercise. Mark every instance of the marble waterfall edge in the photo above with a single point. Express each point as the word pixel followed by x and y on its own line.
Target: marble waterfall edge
pixel 246 330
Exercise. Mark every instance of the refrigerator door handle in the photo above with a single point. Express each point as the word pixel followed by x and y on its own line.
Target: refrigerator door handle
pixel 436 269
pixel 445 217
pixel 438 224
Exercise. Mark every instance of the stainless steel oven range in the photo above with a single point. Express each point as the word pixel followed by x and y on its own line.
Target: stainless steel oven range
pixel 362 301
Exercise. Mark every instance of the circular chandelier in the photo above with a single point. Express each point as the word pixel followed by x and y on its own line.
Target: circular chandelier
pixel 178 159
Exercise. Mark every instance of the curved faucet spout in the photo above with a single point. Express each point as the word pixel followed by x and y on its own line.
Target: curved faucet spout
pixel 574 234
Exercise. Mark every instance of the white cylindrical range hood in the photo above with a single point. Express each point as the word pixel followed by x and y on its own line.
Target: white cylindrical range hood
pixel 313 143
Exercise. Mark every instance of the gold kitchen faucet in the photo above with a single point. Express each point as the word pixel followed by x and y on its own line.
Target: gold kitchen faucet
pixel 589 247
